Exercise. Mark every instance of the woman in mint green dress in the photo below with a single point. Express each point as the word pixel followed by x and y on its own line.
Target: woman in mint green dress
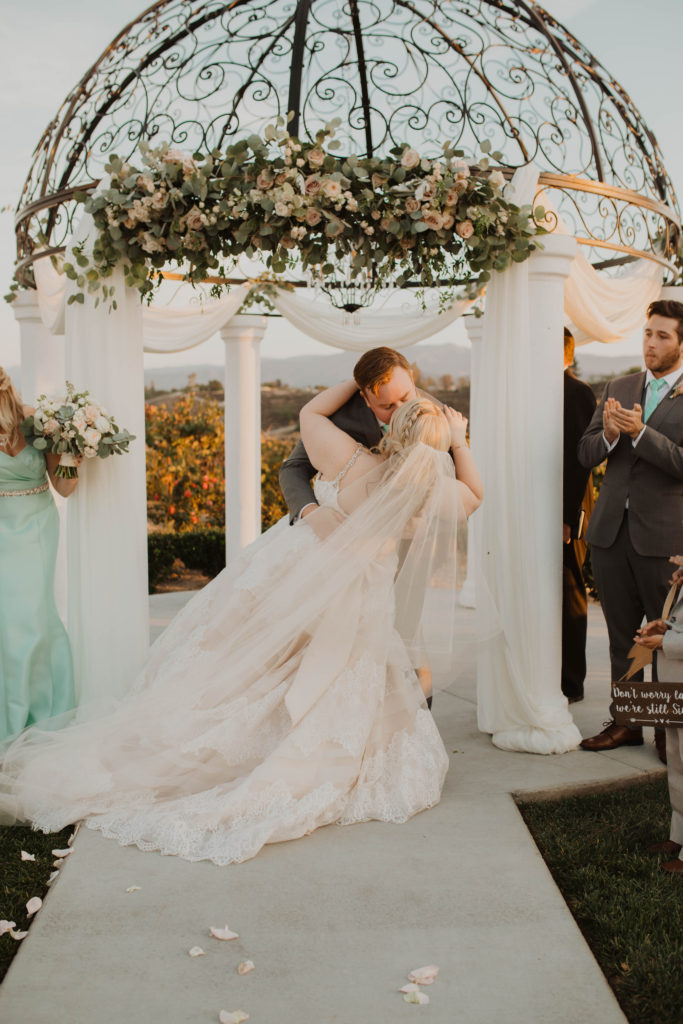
pixel 36 674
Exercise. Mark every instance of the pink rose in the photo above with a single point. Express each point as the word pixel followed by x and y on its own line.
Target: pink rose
pixel 412 205
pixel 433 218
pixel 313 216
pixel 287 242
pixel 316 157
pixel 464 228
pixel 410 158
pixel 194 219
pixel 448 221
pixel 425 190
pixel 312 185
pixel 264 180
pixel 331 188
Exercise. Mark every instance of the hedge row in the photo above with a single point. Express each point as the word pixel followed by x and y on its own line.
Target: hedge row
pixel 201 550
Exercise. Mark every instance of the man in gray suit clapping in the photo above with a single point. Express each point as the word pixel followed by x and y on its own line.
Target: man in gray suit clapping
pixel 638 518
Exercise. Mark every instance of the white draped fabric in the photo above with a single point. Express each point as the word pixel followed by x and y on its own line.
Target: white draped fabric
pixel 609 309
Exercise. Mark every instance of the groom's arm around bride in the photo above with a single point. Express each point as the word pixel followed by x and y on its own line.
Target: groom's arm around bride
pixel 385 382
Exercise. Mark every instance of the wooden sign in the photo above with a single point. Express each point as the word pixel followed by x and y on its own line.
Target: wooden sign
pixel 635 704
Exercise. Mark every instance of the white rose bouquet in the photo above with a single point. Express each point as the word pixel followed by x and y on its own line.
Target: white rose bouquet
pixel 74 427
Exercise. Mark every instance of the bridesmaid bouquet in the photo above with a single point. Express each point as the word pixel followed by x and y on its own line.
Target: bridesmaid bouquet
pixel 74 427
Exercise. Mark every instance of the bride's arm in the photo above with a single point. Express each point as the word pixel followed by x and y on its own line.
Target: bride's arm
pixel 328 447
pixel 466 472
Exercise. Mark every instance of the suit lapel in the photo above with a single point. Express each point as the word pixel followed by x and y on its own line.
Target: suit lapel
pixel 665 407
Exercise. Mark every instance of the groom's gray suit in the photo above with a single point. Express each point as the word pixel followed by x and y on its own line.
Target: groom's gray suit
pixel 630 546
pixel 356 419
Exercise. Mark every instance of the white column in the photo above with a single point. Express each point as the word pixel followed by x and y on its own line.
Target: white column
pixel 519 697
pixel 475 332
pixel 42 353
pixel 42 372
pixel 242 336
pixel 548 269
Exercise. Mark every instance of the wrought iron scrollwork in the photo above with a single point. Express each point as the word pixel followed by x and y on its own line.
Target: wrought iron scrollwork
pixel 198 74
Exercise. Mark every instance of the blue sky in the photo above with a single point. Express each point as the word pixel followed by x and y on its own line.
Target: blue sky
pixel 45 47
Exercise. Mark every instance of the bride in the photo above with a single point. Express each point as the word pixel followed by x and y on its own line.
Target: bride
pixel 285 695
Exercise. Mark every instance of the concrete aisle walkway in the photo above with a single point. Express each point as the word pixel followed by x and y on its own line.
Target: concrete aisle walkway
pixel 335 921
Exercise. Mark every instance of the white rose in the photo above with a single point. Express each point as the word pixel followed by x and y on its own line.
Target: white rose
pixel 91 437
pixel 91 413
pixel 496 179
pixel 89 452
pixel 425 190
pixel 50 426
pixel 79 421
pixel 331 188
pixel 282 209
pixel 102 424
pixel 410 158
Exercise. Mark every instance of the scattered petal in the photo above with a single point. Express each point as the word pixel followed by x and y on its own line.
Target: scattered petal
pixel 18 935
pixel 7 926
pixel 33 905
pixel 134 888
pixel 57 863
pixel 196 951
pixel 232 1016
pixel 410 988
pixel 70 840
pixel 424 975
pixel 62 853
pixel 245 967
pixel 416 997
pixel 27 856
pixel 52 877
pixel 225 934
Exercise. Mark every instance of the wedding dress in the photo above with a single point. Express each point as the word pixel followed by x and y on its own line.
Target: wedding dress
pixel 283 697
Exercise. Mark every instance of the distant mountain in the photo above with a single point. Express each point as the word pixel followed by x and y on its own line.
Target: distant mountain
pixel 308 371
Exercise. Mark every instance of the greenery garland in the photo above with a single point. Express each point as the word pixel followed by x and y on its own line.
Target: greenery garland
pixel 383 220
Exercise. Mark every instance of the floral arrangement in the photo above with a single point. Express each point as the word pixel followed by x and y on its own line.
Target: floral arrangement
pixel 74 427
pixel 393 219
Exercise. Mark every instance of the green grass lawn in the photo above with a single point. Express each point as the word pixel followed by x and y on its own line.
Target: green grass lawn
pixel 20 880
pixel 630 912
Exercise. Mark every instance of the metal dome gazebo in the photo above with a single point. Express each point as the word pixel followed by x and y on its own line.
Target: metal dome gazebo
pixel 197 74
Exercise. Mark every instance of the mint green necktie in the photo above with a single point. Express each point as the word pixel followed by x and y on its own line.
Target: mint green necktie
pixel 653 393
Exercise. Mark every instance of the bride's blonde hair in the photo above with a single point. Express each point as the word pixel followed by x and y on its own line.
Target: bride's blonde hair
pixel 11 412
pixel 420 420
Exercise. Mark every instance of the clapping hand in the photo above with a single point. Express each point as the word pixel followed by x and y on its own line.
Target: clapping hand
pixel 650 635
pixel 457 424
pixel 630 421
pixel 609 426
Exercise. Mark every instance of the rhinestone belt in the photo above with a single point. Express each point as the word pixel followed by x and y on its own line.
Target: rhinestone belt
pixel 21 494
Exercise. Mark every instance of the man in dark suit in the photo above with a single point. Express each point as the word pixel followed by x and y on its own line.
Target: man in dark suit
pixel 638 518
pixel 577 503
pixel 385 380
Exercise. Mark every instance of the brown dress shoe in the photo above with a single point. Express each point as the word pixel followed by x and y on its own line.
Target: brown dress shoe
pixel 614 736
pixel 660 744
pixel 668 847
pixel 674 867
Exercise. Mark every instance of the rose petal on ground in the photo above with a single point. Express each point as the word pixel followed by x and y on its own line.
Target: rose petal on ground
pixel 134 888
pixel 52 877
pixel 424 975
pixel 62 853
pixel 416 997
pixel 27 856
pixel 223 933
pixel 33 905
pixel 196 951
pixel 232 1016
pixel 245 967
pixel 18 935
pixel 57 863
pixel 410 988
pixel 7 926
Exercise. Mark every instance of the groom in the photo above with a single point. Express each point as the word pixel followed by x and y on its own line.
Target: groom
pixel 385 382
